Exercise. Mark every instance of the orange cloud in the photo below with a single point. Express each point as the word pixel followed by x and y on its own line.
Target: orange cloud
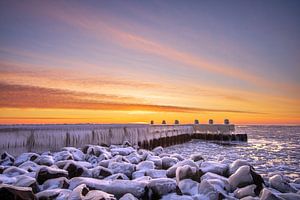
pixel 22 96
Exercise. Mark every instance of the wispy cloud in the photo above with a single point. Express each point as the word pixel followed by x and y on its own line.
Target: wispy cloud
pixel 22 96
pixel 16 70
pixel 99 29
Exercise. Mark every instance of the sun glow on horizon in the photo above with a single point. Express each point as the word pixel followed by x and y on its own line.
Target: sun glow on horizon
pixel 108 62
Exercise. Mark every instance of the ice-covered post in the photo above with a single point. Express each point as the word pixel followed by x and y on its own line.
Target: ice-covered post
pixel 176 122
pixel 164 122
pixel 226 121
pixel 210 121
pixel 151 122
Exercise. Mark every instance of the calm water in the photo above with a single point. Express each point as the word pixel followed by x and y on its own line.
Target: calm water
pixel 269 149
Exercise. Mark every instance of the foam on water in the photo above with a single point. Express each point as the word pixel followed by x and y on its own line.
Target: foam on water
pixel 269 149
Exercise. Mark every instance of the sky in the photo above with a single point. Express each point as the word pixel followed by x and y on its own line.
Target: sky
pixel 136 61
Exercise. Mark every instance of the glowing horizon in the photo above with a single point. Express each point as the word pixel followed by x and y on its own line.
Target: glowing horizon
pixel 116 62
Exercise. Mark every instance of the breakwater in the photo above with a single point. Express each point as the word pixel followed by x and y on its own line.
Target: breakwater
pixel 38 138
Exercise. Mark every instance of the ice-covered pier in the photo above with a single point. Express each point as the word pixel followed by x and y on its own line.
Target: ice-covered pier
pixel 38 138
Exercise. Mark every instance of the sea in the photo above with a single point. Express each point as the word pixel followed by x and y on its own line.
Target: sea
pixel 270 149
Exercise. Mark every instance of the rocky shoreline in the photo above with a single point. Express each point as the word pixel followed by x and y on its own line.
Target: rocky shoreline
pixel 127 173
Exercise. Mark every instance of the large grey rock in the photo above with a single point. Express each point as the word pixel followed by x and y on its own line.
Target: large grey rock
pixel 25 157
pixel 161 186
pixel 187 172
pixel 134 158
pixel 29 166
pixel 7 180
pixel 77 154
pixel 26 181
pixel 233 167
pixel 14 171
pixel 94 150
pixel 245 191
pixel 62 155
pixel 116 187
pixel 266 194
pixel 174 196
pixel 74 169
pixel 278 183
pixel 6 159
pixel 54 194
pixel 44 160
pixel 210 175
pixel 98 195
pixel 156 160
pixel 14 192
pixel 118 176
pixel 220 185
pixel 209 190
pixel 158 150
pixel 138 174
pixel 244 176
pixel 100 172
pixel 124 168
pixel 171 172
pixel 168 162
pixel 128 196
pixel 289 196
pixel 196 157
pixel 250 198
pixel 46 173
pixel 177 156
pixel 214 167
pixel 55 183
pixel 145 165
pixel 79 192
pixel 156 173
pixel 122 151
pixel 188 187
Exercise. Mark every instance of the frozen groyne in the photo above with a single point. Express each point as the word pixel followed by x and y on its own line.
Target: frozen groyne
pixel 38 138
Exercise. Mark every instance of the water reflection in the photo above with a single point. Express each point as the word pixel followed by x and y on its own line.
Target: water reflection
pixel 269 149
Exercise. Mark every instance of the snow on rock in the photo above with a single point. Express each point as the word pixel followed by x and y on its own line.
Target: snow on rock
pixel 14 171
pixel 196 157
pixel 214 167
pixel 156 173
pixel 44 160
pixel 188 187
pixel 125 168
pixel 187 172
pixel 122 151
pixel 156 160
pixel 54 183
pixel 115 187
pixel 242 177
pixel 168 162
pixel 128 196
pixel 15 192
pixel 118 176
pixel 245 191
pixel 121 171
pixel 26 181
pixel 236 165
pixel 46 173
pixel 158 150
pixel 145 165
pixel 54 194
pixel 278 183
pixel 171 172
pixel 161 186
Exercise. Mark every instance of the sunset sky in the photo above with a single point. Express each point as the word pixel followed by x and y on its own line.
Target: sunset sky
pixel 136 61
